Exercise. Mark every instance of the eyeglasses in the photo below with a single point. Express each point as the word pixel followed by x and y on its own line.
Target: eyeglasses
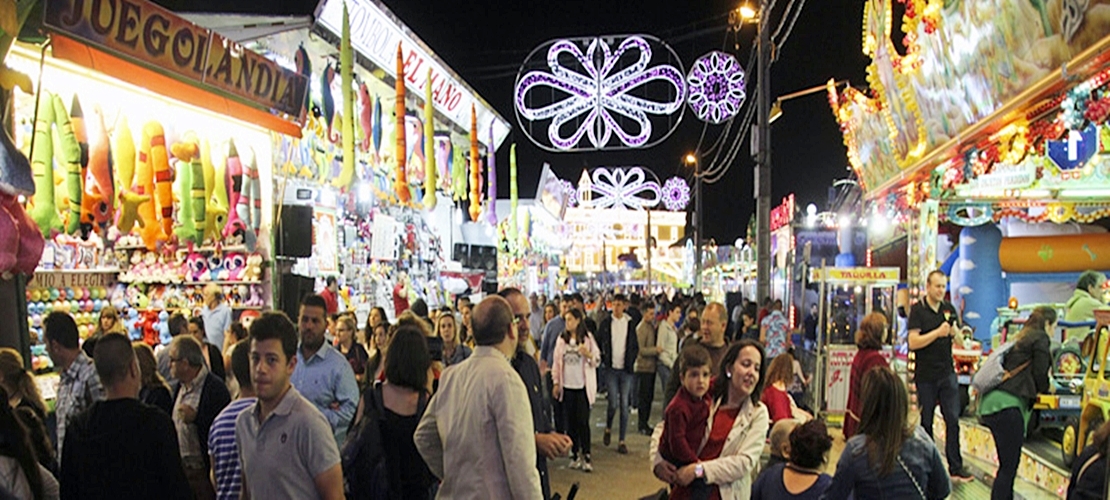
pixel 520 319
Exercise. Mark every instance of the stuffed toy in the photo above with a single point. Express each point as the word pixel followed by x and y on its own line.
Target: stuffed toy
pixel 243 203
pixel 215 195
pixel 254 193
pixel 131 323
pixel 233 182
pixel 154 137
pixel 253 270
pixel 68 154
pixel 186 154
pixel 255 299
pixel 197 192
pixel 97 199
pixel 131 202
pixel 196 266
pixel 148 324
pixel 365 114
pixel 152 232
pixel 234 264
pixel 17 227
pixel 216 269
pixel 45 211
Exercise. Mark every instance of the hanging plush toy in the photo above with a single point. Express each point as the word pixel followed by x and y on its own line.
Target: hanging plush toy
pixel 152 232
pixel 233 180
pixel 186 153
pixel 401 182
pixel 376 129
pixel 68 153
pixel 215 215
pixel 347 126
pixel 99 185
pixel 44 212
pixel 254 193
pixel 491 184
pixel 475 168
pixel 459 172
pixel 163 177
pixel 444 161
pixel 218 210
pixel 429 146
pixel 327 101
pixel 197 191
pixel 365 117
pixel 131 201
pixel 304 67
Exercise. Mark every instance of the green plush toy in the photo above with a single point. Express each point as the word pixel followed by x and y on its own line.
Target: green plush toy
pixel 44 212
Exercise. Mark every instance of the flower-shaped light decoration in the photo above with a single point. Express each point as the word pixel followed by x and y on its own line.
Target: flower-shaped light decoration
pixel 571 193
pixel 716 85
pixel 620 188
pixel 605 90
pixel 675 194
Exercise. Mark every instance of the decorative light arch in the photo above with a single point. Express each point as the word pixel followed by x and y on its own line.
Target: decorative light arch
pixel 716 87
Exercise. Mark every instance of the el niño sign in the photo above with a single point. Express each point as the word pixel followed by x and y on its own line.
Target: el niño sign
pixel 144 32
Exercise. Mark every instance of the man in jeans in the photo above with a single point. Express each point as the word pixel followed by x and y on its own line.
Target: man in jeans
pixel 616 337
pixel 932 324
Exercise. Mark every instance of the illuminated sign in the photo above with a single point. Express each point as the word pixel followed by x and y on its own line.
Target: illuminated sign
pixel 858 274
pixel 375 33
pixel 625 188
pixel 783 214
pixel 1004 176
pixel 1074 150
pixel 716 86
pixel 144 32
pixel 598 93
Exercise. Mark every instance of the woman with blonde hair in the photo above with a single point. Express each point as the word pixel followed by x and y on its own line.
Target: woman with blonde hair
pixel 869 340
pixel 447 329
pixel 346 327
pixel 155 391
pixel 108 322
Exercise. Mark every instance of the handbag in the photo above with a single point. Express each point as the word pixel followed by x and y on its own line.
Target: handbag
pixel 915 484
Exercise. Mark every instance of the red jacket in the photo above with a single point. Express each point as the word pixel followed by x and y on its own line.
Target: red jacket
pixel 865 360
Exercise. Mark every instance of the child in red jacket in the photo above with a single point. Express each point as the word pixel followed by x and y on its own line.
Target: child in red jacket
pixel 686 418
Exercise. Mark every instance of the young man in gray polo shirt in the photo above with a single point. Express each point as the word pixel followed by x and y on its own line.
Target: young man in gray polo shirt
pixel 286 445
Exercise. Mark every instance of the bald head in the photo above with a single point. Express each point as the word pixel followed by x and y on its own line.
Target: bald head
pixel 780 437
pixel 714 321
pixel 492 319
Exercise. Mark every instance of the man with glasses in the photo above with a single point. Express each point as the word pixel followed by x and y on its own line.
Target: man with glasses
pixel 548 444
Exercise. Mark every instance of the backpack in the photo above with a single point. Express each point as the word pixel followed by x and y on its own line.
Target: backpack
pixel 365 471
pixel 991 372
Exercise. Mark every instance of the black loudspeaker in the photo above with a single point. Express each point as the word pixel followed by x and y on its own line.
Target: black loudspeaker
pixel 294 235
pixel 461 254
pixel 483 257
pixel 293 289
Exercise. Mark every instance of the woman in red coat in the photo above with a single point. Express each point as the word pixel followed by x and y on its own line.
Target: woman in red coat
pixel 869 340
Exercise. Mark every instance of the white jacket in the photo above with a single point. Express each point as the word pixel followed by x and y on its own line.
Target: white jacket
pixel 732 471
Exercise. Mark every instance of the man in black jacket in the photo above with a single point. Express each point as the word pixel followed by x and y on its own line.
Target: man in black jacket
pixel 616 337
pixel 199 396
pixel 121 448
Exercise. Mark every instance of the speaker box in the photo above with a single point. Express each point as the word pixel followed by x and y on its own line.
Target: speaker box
pixel 483 257
pixel 461 254
pixel 293 289
pixel 294 235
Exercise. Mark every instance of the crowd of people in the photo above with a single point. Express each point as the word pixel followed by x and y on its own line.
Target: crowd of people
pixel 326 408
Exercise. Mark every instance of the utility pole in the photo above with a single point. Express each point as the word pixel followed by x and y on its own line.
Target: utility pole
pixel 763 158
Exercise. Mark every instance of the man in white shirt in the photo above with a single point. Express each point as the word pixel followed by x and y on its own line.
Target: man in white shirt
pixel 616 338
pixel 479 420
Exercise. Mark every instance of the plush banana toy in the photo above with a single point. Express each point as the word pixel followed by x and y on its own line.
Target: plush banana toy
pixel 130 198
pixel 152 232
pixel 216 213
pixel 186 153
pixel 163 175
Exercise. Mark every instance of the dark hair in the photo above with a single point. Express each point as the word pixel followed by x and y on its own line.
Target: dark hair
pixel 935 272
pixel 314 300
pixel 1101 438
pixel 1037 320
pixel 238 331
pixel 188 349
pixel 1089 279
pixel 884 417
pixel 419 308
pixel 808 444
pixel 871 331
pixel 580 332
pixel 148 365
pixel 674 305
pixel 781 369
pixel 692 325
pixel 509 292
pixel 693 356
pixel 113 356
pixel 777 305
pixel 620 298
pixel 178 324
pixel 720 389
pixel 199 321
pixel 276 325
pixel 16 444
pixel 492 320
pixel 329 281
pixel 408 360
pixel 577 297
pixel 61 328
pixel 241 363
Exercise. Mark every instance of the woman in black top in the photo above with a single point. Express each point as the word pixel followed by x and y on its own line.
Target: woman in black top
pixel 345 326
pixel 155 391
pixel 403 396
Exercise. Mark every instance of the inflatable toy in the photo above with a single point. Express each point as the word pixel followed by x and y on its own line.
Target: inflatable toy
pixel 44 212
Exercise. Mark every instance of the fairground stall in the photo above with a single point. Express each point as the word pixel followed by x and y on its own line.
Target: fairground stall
pixel 389 164
pixel 991 157
pixel 149 139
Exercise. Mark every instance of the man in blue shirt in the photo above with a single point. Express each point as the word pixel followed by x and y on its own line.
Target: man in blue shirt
pixel 323 375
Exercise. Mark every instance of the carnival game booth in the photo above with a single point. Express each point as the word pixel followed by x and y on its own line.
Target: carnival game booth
pixel 1005 138
pixel 150 145
pixel 390 156
pixel 845 296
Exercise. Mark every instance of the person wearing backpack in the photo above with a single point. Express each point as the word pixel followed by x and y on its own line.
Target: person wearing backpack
pixel 388 413
pixel 1006 409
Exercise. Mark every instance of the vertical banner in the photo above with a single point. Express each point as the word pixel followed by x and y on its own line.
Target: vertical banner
pixel 325 241
pixel 383 236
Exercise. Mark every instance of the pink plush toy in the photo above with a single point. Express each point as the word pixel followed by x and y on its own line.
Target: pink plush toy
pixel 21 243
pixel 196 266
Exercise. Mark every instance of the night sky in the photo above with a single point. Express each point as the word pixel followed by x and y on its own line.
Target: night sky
pixel 486 41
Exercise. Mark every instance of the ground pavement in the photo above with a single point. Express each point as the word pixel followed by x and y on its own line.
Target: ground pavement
pixel 622 477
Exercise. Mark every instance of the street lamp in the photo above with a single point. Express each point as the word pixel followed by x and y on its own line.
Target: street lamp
pixel 692 161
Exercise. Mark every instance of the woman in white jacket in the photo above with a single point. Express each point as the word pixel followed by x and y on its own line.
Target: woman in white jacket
pixel 574 375
pixel 736 429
